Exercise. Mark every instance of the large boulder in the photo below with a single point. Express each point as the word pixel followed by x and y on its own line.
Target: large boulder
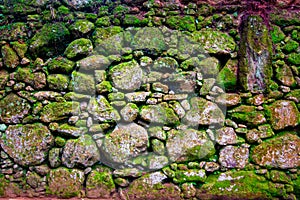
pixel 278 152
pixel 80 152
pixel 27 144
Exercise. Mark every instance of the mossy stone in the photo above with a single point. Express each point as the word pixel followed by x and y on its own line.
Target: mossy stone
pixel 294 58
pixel 59 110
pixel 61 65
pixel 103 21
pixel 186 23
pixel 290 46
pixel 83 83
pixel 10 58
pixel 4 76
pixel 79 48
pixel 103 87
pixel 20 48
pixel 132 20
pixel 58 82
pixel 81 27
pixel 277 34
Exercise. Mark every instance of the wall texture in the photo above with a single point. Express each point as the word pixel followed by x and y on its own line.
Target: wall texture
pixel 150 99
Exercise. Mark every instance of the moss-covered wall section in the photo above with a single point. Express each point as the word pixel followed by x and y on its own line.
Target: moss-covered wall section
pixel 150 99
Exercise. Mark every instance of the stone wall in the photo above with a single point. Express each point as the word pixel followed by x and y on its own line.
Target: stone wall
pixel 150 99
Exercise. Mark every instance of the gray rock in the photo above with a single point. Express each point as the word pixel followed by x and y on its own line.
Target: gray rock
pixel 83 83
pixel 27 144
pixel 134 142
pixel 94 62
pixel 127 76
pixel 130 112
pixel 204 112
pixel 80 152
pixel 77 4
pixel 54 157
pixel 188 145
pixel 226 135
pixel 13 109
pixel 234 157
pixel 79 47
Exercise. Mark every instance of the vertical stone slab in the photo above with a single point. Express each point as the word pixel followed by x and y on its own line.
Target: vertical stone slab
pixel 255 55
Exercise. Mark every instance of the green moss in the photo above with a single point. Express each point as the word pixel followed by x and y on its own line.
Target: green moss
pixel 61 65
pixel 103 21
pixel 58 82
pixel 186 23
pixel 294 58
pixel 132 20
pixel 277 34
pixel 60 142
pixel 3 185
pixel 296 184
pixel 290 46
pixel 63 10
pixel 20 48
pixel 78 48
pixel 58 110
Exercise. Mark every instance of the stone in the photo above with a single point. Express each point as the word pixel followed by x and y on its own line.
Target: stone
pixel 255 64
pixel 149 38
pixel 188 145
pixel 281 152
pixel 211 166
pixel 157 162
pixel 65 183
pixel 264 131
pixel 54 157
pixel 77 4
pixel 101 110
pixel 10 58
pixel 61 65
pixel 83 83
pixel 134 143
pixel 209 67
pixel 277 34
pixel 159 114
pixel 294 58
pixel 27 144
pixel 58 82
pixel 294 95
pixel 282 114
pixel 146 187
pixel 33 179
pixel 99 183
pixel 94 62
pixel 58 110
pixel 225 136
pixel 80 152
pixel 79 48
pixel 190 175
pixel 133 20
pixel 36 80
pixel 285 75
pixel 104 87
pixel 165 64
pixel 127 76
pixel 228 99
pixel 4 76
pixel 81 27
pixel 13 109
pixel 182 23
pixel 234 157
pixel 137 96
pixel 67 130
pixel 50 40
pixel 203 112
pixel 47 95
pixel 237 185
pixel 16 31
pixel 248 115
pixel 20 48
pixel 279 177
pixel 214 42
pixel 129 112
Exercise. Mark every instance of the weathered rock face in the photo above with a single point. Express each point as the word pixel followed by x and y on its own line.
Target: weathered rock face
pixel 13 109
pixel 255 64
pixel 204 112
pixel 93 63
pixel 27 144
pixel 277 152
pixel 189 145
pixel 58 110
pixel 80 152
pixel 125 142
pixel 127 76
pixel 99 183
pixel 234 157
pixel 283 114
pixel 65 183
pixel 147 186
pixel 10 57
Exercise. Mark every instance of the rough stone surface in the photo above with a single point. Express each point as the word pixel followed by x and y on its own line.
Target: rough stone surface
pixel 94 62
pixel 27 144
pixel 65 183
pixel 279 152
pixel 188 145
pixel 80 47
pixel 234 157
pixel 226 135
pixel 58 110
pixel 204 112
pixel 80 152
pixel 10 57
pixel 134 142
pixel 283 114
pixel 127 76
pixel 13 109
pixel 4 75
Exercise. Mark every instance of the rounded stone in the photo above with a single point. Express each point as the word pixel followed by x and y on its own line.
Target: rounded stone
pixel 27 144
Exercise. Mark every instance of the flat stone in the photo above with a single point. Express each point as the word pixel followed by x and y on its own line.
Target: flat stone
pixel 137 96
pixel 188 145
pixel 59 110
pixel 170 97
pixel 279 152
pixel 65 183
pixel 190 175
pixel 27 144
pixel 225 136
pixel 80 152
pixel 13 109
pixel 283 114
pixel 46 95
pixel 94 62
pixel 234 157
pixel 228 99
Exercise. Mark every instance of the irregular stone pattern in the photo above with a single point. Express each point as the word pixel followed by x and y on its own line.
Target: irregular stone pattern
pixel 27 144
